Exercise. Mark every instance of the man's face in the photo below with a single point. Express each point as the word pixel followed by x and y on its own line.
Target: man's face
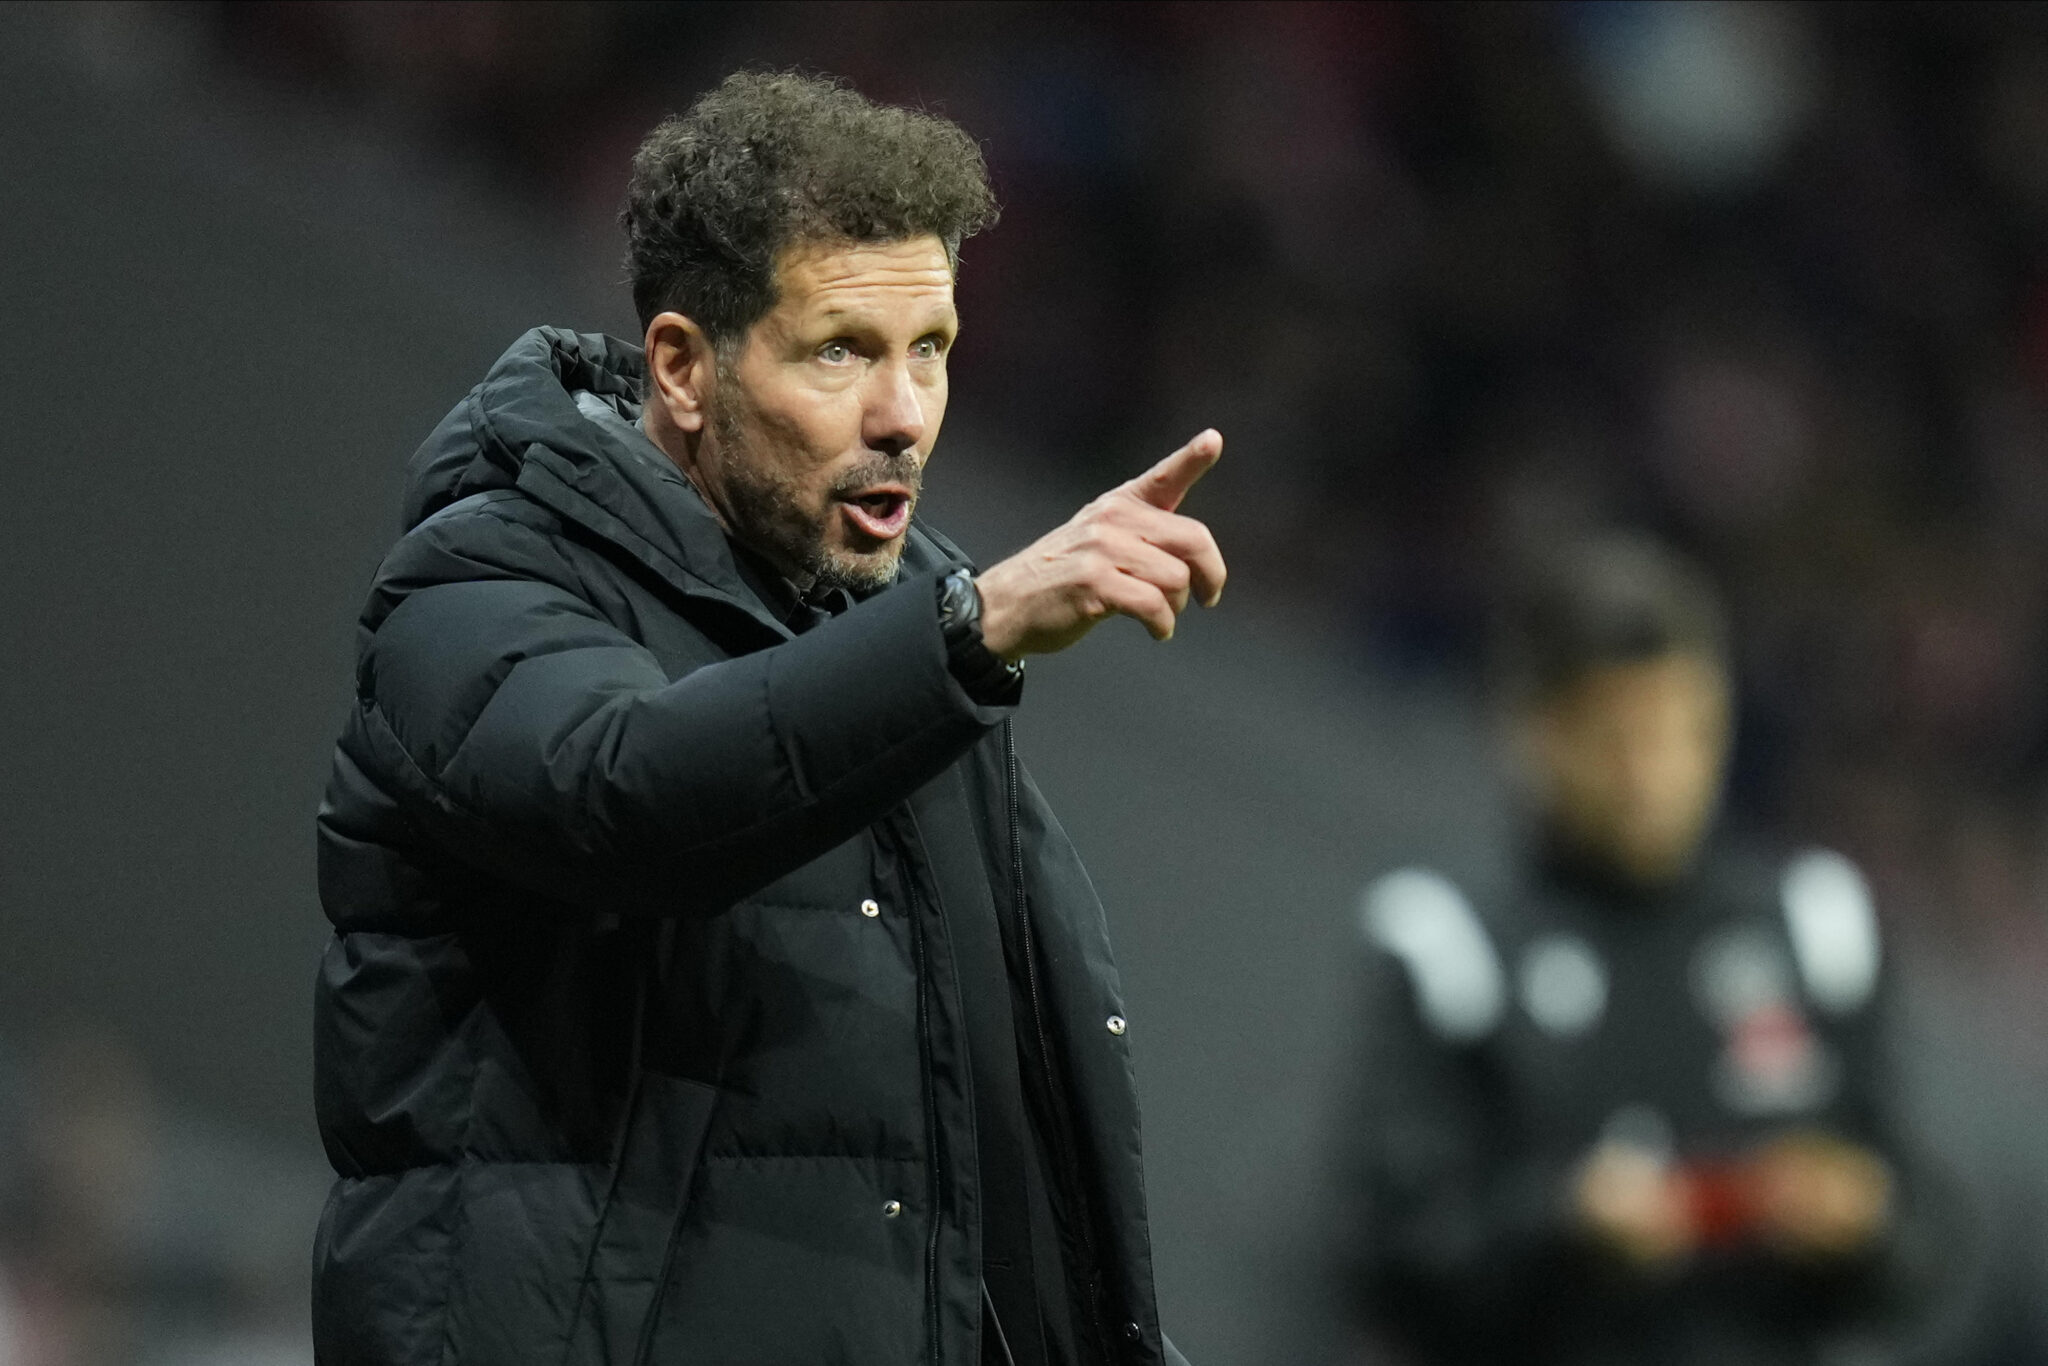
pixel 823 417
pixel 1628 758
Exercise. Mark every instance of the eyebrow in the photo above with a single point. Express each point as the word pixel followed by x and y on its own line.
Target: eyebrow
pixel 835 316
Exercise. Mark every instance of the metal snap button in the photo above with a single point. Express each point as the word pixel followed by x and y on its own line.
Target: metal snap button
pixel 1116 1024
pixel 870 908
pixel 892 1208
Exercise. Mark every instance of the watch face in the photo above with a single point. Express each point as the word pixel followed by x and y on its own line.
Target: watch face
pixel 954 600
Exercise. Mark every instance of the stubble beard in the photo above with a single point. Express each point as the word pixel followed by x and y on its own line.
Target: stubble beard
pixel 769 512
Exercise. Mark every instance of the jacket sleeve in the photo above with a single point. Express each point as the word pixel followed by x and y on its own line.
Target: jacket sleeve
pixel 529 737
pixel 1444 1224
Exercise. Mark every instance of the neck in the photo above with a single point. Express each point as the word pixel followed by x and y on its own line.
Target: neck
pixel 1601 870
pixel 681 448
pixel 682 453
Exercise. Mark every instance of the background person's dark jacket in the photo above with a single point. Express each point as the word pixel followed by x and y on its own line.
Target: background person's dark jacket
pixel 1509 1029
pixel 613 1062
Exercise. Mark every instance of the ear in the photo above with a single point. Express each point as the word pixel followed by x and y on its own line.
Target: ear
pixel 681 370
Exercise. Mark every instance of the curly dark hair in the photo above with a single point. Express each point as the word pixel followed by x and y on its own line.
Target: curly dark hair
pixel 1608 598
pixel 768 159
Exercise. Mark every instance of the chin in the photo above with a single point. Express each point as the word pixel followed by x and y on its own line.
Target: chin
pixel 1657 861
pixel 863 570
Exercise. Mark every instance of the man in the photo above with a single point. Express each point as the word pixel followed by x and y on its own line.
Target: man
pixel 1634 1108
pixel 709 982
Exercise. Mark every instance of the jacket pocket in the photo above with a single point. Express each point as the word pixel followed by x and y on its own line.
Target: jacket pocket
pixel 648 1198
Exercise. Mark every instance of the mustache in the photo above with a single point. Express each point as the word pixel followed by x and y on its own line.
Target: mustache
pixel 876 468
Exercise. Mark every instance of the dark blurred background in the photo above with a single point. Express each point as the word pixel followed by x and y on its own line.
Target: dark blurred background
pixel 1770 280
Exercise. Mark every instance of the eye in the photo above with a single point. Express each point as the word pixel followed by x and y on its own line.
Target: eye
pixel 928 348
pixel 835 353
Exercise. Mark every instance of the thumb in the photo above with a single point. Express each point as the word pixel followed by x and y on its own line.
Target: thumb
pixel 1166 483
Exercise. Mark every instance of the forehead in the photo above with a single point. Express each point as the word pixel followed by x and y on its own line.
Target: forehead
pixel 869 280
pixel 1683 679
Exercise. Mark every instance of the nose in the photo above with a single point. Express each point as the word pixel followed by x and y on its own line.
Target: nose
pixel 894 420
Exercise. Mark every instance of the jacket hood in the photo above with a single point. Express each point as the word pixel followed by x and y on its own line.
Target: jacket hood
pixel 538 423
pixel 526 398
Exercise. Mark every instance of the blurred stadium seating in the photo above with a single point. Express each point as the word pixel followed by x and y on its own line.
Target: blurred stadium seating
pixel 1771 281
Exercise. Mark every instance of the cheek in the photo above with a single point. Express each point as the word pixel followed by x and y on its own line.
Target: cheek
pixel 803 439
pixel 827 427
pixel 1589 783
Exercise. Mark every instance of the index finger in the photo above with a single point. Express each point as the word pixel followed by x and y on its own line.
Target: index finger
pixel 1166 483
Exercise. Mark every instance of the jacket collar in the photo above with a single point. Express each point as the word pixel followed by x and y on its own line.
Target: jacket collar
pixel 525 428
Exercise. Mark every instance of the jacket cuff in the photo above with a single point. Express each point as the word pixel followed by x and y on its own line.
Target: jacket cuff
pixel 989 681
pixel 876 676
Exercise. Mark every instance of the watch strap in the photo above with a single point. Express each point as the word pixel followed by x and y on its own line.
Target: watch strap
pixel 987 676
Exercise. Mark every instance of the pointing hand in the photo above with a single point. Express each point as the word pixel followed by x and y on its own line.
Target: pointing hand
pixel 1128 553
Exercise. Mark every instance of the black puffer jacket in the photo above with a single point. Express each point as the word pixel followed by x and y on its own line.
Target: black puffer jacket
pixel 614 1062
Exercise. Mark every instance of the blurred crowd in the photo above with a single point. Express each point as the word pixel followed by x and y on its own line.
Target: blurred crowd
pixel 1454 281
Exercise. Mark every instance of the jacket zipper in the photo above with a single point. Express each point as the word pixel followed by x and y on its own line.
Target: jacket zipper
pixel 1063 1139
pixel 931 1125
pixel 643 1349
pixel 635 1051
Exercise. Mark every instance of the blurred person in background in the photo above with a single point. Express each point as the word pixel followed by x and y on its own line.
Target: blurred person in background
pixel 1635 1107
pixel 709 983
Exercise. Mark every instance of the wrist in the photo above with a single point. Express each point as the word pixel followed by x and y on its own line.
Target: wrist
pixel 998 628
pixel 985 674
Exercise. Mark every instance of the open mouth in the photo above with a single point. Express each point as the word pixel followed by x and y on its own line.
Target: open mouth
pixel 881 513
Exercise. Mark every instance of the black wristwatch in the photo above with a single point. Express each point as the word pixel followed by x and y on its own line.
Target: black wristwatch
pixel 987 676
